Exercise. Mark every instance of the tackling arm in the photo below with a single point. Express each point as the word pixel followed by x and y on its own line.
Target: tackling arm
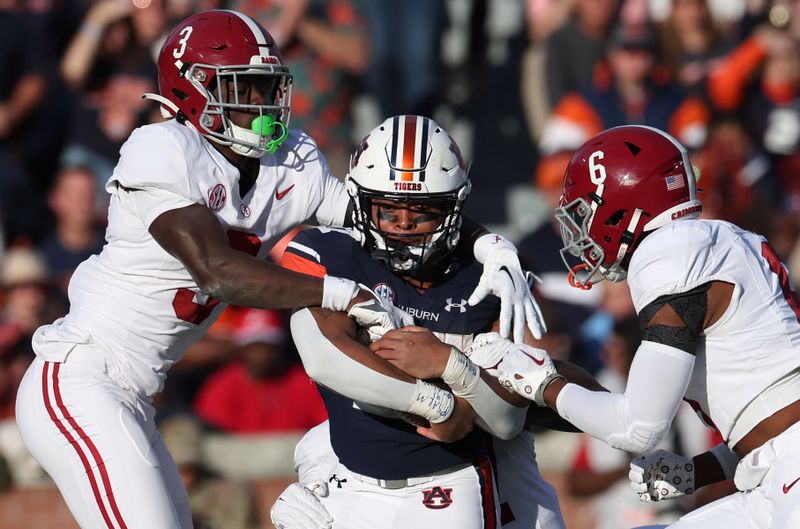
pixel 419 352
pixel 638 419
pixel 332 356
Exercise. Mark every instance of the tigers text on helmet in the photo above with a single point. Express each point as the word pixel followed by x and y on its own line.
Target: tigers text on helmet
pixel 211 60
pixel 619 185
pixel 413 161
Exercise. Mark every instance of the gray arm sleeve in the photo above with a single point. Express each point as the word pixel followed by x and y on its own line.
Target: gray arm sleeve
pixel 495 415
pixel 329 366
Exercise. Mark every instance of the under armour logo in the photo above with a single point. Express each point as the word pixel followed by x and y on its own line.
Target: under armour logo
pixel 337 480
pixel 462 306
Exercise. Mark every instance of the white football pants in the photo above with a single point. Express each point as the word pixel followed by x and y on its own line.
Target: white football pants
pixel 100 445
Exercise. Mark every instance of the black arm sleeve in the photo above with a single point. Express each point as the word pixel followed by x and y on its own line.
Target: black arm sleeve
pixel 690 307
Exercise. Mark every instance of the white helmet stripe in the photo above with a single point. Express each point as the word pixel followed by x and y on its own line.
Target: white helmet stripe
pixel 263 49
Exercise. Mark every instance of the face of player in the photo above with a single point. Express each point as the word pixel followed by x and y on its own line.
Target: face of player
pixel 409 222
pixel 249 90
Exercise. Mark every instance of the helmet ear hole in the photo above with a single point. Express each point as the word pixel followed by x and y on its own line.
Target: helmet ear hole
pixel 616 218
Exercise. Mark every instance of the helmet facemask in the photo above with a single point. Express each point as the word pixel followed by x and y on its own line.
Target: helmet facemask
pixel 418 255
pixel 229 91
pixel 575 220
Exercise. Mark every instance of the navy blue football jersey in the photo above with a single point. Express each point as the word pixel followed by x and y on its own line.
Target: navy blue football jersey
pixel 375 445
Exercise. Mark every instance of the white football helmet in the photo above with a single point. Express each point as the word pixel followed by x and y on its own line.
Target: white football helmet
pixel 408 159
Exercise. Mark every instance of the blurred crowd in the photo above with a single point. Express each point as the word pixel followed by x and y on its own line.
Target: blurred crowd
pixel 520 83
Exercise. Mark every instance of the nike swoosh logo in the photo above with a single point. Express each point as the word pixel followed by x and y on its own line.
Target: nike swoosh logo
pixel 280 194
pixel 537 361
pixel 787 488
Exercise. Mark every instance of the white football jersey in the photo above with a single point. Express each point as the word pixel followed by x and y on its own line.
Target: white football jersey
pixel 140 303
pixel 756 342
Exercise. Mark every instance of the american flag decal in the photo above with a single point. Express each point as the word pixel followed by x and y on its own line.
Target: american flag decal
pixel 674 182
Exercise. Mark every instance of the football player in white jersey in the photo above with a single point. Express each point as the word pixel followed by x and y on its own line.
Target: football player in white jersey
pixel 382 472
pixel 196 203
pixel 720 326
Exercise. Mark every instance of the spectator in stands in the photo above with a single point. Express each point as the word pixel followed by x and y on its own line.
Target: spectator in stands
pixel 574 50
pixel 23 85
pixel 539 253
pixel 27 285
pixel 600 473
pixel 690 42
pixel 249 395
pixel 325 43
pixel 17 467
pixel 216 503
pixel 627 89
pixel 109 64
pixel 760 81
pixel 405 62
pixel 76 234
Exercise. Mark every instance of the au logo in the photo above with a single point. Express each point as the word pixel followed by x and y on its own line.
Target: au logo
pixel 437 498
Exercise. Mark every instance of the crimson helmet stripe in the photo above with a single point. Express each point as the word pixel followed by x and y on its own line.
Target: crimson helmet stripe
pixel 263 48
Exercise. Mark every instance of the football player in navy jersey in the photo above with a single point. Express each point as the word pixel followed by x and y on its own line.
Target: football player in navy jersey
pixel 404 451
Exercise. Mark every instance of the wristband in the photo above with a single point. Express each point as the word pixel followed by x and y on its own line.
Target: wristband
pixel 727 459
pixel 490 243
pixel 461 374
pixel 337 292
pixel 431 402
pixel 538 396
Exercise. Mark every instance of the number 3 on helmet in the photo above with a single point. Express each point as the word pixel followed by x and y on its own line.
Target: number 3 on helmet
pixel 621 184
pixel 203 67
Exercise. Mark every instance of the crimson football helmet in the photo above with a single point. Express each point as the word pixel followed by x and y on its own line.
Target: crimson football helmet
pixel 619 185
pixel 410 160
pixel 210 61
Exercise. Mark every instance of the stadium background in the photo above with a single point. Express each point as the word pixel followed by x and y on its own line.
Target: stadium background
pixel 518 83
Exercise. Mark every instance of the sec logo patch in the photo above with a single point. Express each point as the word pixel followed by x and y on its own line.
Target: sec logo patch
pixel 216 197
pixel 385 291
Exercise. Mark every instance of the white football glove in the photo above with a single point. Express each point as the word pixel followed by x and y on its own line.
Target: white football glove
pixel 527 370
pixel 487 350
pixel 662 475
pixel 298 507
pixel 379 315
pixel 503 277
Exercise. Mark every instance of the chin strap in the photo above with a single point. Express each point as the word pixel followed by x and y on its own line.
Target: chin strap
pixel 574 282
pixel 164 103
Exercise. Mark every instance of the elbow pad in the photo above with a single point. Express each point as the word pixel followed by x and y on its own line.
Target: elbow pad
pixel 640 436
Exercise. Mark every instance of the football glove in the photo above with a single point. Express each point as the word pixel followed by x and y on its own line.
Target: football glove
pixel 378 315
pixel 662 475
pixel 503 277
pixel 298 507
pixel 527 371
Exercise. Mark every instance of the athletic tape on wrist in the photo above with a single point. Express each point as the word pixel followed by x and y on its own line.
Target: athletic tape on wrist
pixel 337 292
pixel 461 374
pixel 431 402
pixel 490 243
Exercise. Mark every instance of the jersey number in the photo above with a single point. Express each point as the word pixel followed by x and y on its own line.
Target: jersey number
pixel 783 277
pixel 184 304
pixel 181 48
